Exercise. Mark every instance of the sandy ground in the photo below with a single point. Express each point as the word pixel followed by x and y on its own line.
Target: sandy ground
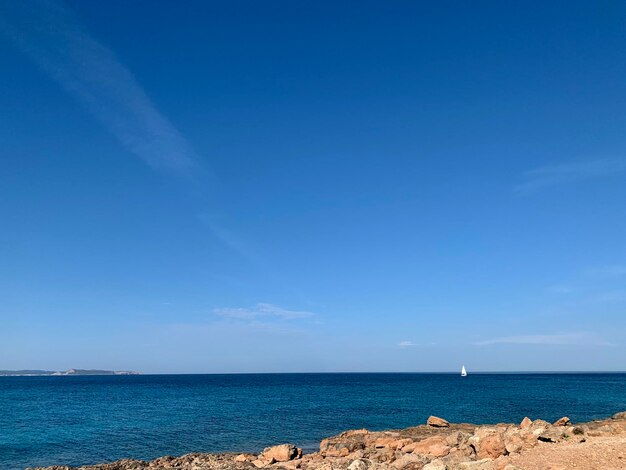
pixel 597 453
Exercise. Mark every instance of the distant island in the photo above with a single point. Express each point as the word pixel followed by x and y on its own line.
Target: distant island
pixel 22 373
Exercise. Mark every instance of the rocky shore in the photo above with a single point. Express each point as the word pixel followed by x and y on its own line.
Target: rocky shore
pixel 437 445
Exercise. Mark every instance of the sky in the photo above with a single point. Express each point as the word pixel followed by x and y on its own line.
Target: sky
pixel 225 187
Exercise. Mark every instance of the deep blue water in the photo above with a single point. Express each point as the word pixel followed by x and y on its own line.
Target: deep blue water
pixel 81 420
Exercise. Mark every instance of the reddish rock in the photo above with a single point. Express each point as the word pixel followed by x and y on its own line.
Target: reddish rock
pixel 437 422
pixel 526 423
pixel 564 421
pixel 435 446
pixel 492 447
pixel 400 443
pixel 488 443
pixel 383 442
pixel 391 442
pixel 245 458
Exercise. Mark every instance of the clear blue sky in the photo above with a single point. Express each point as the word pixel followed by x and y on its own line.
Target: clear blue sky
pixel 312 186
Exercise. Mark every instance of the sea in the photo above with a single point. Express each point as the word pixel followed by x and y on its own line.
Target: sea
pixel 92 419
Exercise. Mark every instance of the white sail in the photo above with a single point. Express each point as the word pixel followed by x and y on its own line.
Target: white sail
pixel 463 372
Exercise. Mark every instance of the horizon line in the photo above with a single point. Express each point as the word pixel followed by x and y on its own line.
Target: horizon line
pixel 480 372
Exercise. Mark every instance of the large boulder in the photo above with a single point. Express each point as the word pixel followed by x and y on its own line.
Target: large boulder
pixel 491 447
pixel 488 443
pixel 281 453
pixel 437 422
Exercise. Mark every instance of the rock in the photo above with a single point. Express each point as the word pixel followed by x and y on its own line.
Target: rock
pixel 325 466
pixel 245 458
pixel 437 422
pixel 491 447
pixel 360 464
pixel 513 442
pixel 488 443
pixel 357 454
pixel 325 444
pixel 435 465
pixel 539 426
pixel 425 447
pixel 435 446
pixel 280 453
pixel 162 461
pixel 484 464
pixel 551 435
pixel 457 438
pixel 620 415
pixel 409 461
pixel 564 421
pixel 343 445
pixel 540 423
pixel 391 442
pixel 383 442
pixel 400 443
pixel 501 462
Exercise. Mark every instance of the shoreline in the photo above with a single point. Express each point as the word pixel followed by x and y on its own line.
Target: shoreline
pixel 436 445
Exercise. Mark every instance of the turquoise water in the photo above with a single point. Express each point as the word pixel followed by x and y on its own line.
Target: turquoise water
pixel 82 420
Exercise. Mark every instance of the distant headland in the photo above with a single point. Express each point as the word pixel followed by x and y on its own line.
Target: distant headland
pixel 23 373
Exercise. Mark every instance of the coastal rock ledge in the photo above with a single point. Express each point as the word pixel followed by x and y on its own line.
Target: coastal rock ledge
pixel 438 445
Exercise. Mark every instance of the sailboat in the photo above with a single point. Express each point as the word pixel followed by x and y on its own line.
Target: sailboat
pixel 463 372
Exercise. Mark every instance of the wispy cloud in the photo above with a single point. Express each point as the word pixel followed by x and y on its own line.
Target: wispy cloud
pixel 262 311
pixel 569 172
pixel 53 37
pixel 550 339
pixel 607 271
pixel 406 344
